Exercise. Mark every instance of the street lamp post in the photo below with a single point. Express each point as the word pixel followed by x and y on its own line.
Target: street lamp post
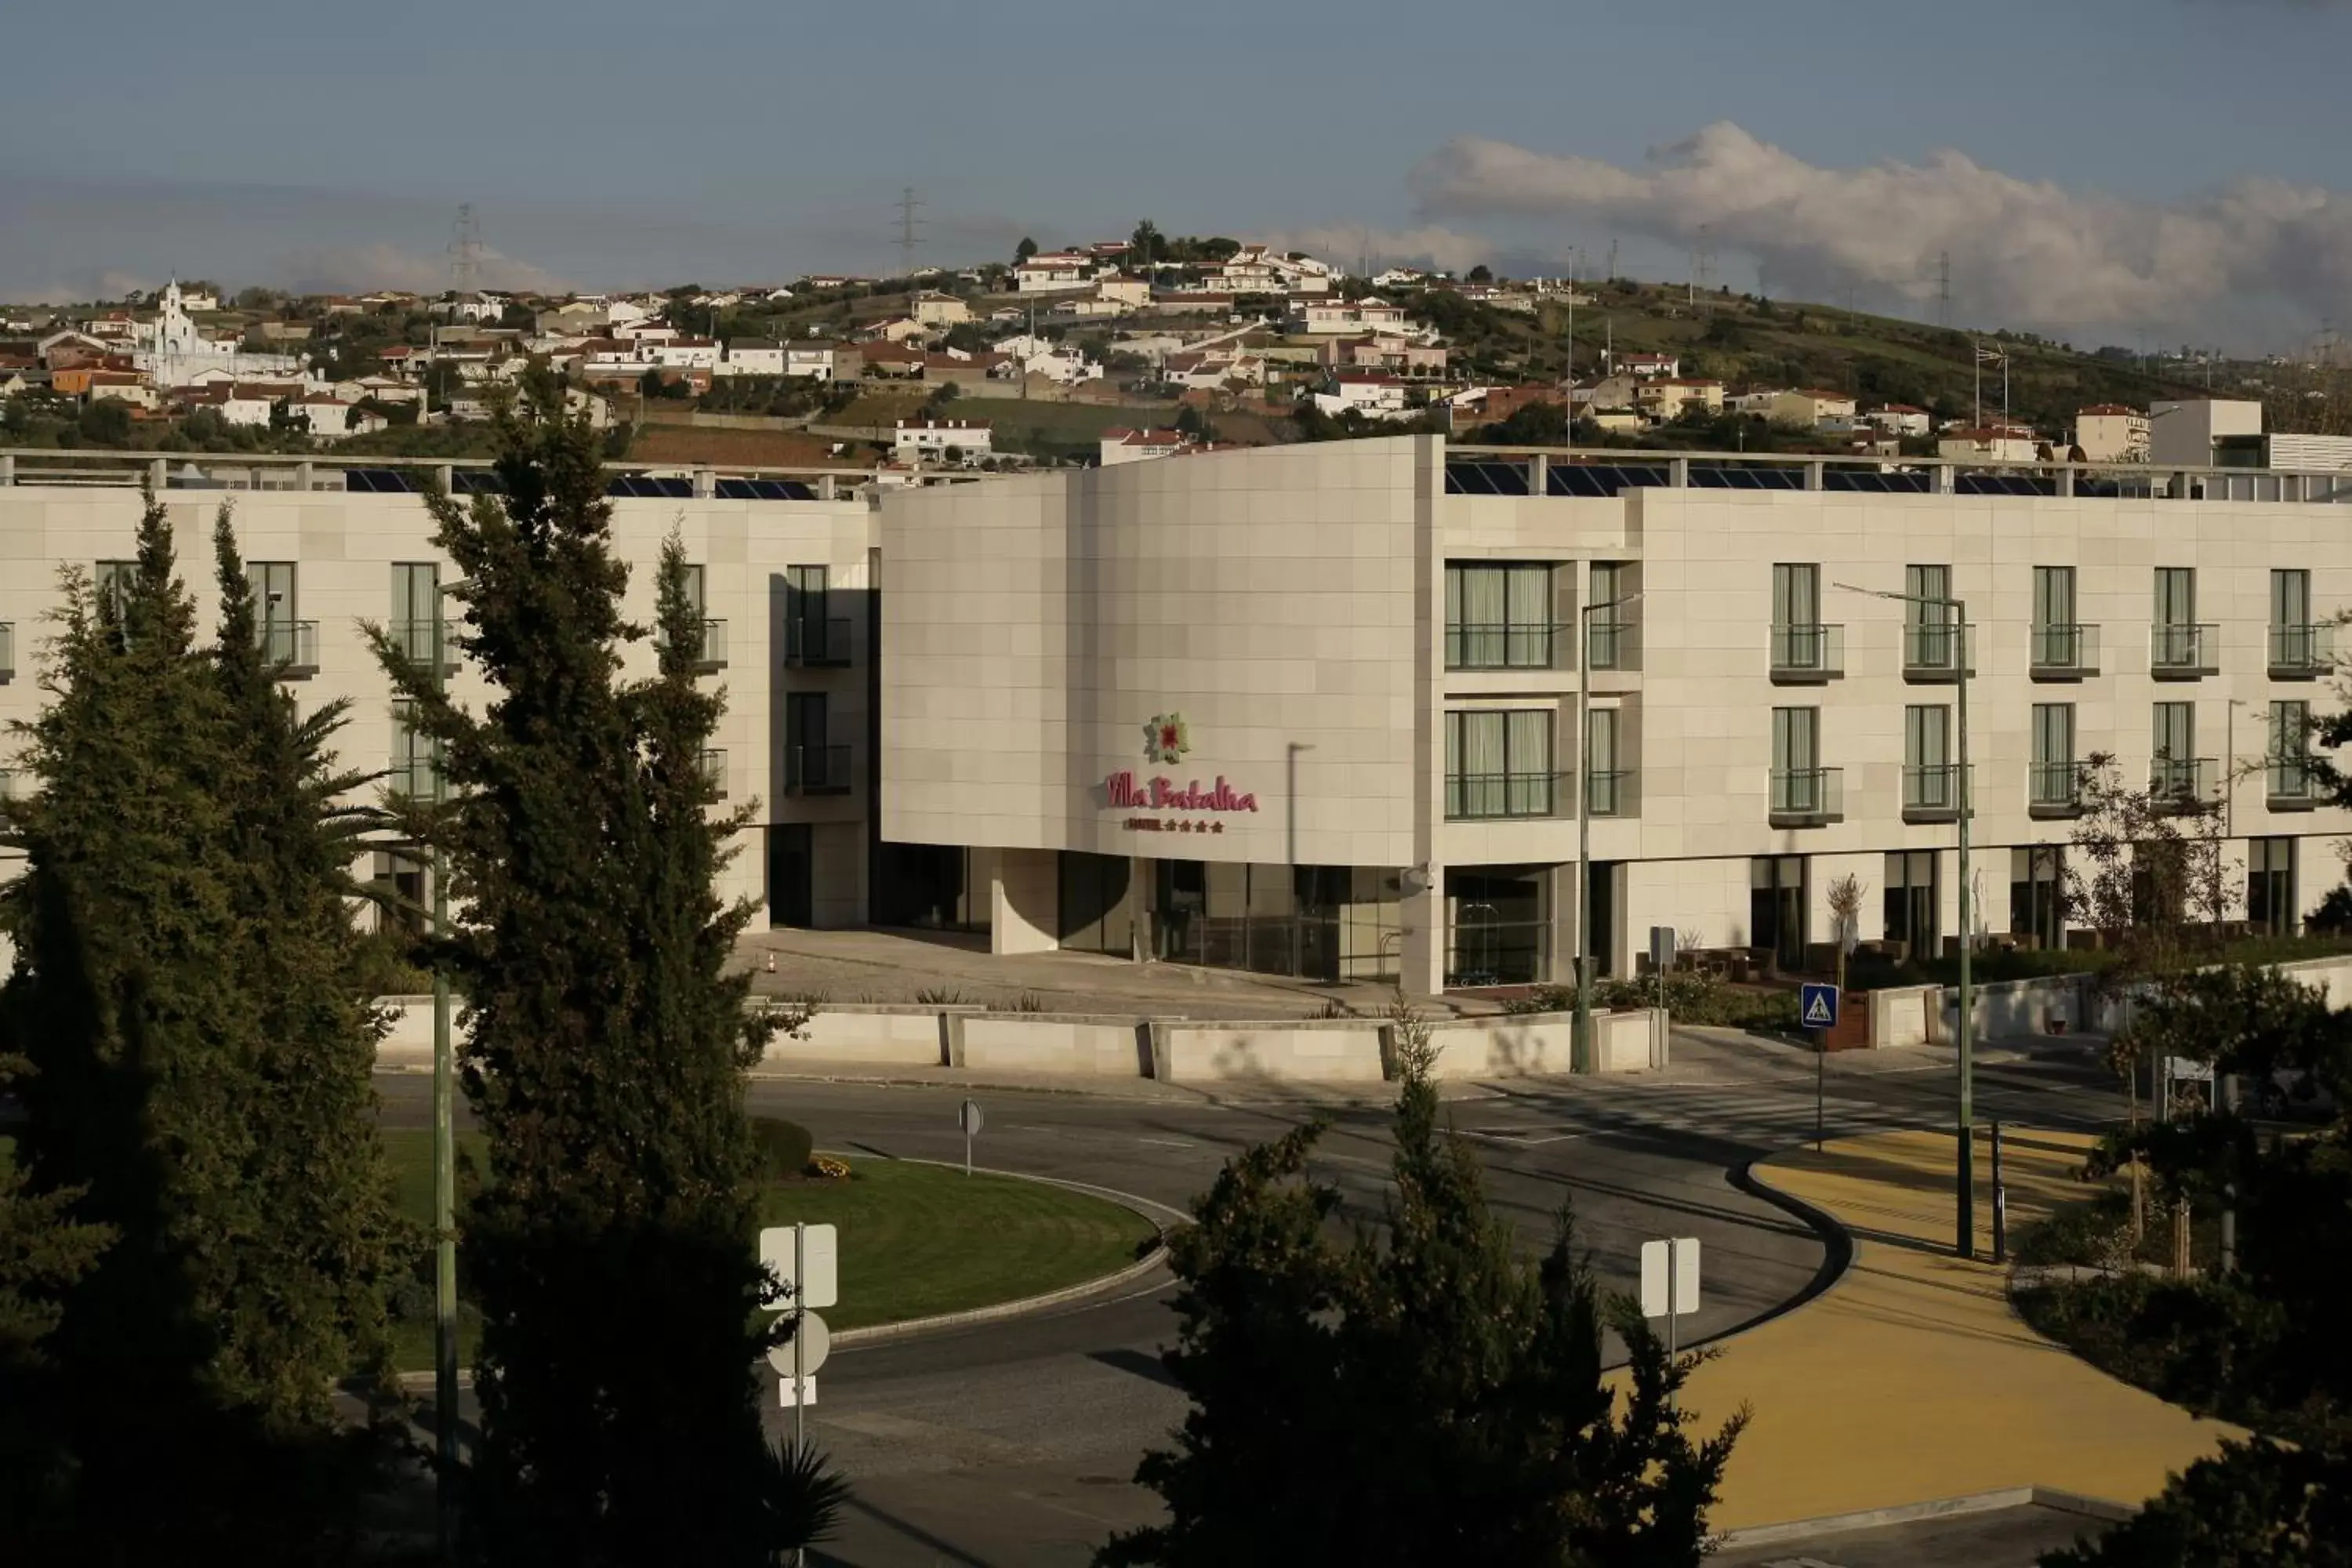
pixel 1965 1128
pixel 1580 1055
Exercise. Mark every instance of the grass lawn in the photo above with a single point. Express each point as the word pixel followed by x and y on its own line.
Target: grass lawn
pixel 915 1239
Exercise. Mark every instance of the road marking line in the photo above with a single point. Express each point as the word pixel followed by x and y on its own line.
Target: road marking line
pixel 1166 1142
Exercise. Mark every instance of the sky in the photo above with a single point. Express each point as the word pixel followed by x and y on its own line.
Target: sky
pixel 2152 172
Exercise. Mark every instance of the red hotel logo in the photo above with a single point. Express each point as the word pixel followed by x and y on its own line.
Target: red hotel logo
pixel 1126 794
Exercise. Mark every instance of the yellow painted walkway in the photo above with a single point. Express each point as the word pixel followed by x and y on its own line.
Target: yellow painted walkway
pixel 1911 1380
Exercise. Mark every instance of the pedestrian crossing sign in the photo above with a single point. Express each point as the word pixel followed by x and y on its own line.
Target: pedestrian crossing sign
pixel 1817 1006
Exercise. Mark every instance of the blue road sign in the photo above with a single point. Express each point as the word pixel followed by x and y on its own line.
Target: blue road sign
pixel 1817 1006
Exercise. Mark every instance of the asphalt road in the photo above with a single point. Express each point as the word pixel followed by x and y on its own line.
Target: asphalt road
pixel 1015 1442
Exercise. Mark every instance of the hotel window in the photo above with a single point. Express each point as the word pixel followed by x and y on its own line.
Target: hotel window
pixel 2290 752
pixel 813 635
pixel 1910 902
pixel 415 608
pixel 112 582
pixel 1498 617
pixel 276 623
pixel 2057 639
pixel 812 765
pixel 1776 908
pixel 1797 783
pixel 1498 763
pixel 2298 648
pixel 1607 584
pixel 1797 636
pixel 2037 905
pixel 415 757
pixel 2053 780
pixel 2176 643
pixel 2173 742
pixel 2270 885
pixel 1605 778
pixel 1931 638
pixel 1930 780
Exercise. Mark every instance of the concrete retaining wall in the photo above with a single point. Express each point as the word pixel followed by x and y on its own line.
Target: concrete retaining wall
pixel 1340 1050
pixel 1632 1041
pixel 1900 1014
pixel 884 1036
pixel 1045 1042
pixel 1506 1047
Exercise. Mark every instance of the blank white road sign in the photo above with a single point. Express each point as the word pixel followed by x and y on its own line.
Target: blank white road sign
pixel 1682 1300
pixel 822 1286
pixel 815 1344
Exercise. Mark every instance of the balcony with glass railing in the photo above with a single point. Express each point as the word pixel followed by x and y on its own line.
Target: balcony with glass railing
pixel 1807 652
pixel 2291 784
pixel 1486 797
pixel 710 653
pixel 816 770
pixel 1939 653
pixel 1520 645
pixel 1935 793
pixel 290 647
pixel 416 776
pixel 1807 797
pixel 714 769
pixel 2053 789
pixel 2180 651
pixel 2184 784
pixel 1609 792
pixel 2063 652
pixel 2301 653
pixel 812 642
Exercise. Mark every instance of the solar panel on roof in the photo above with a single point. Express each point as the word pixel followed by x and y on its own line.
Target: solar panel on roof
pixel 1853 479
pixel 476 482
pixel 1575 480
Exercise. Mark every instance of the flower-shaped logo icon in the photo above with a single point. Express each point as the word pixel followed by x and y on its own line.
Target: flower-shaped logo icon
pixel 1166 738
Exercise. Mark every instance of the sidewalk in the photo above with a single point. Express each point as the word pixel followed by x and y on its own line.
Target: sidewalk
pixel 1911 1380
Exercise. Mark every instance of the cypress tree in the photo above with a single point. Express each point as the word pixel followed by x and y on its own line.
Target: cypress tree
pixel 193 1409
pixel 609 1245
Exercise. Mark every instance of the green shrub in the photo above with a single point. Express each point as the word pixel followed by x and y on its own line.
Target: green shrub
pixel 784 1147
pixel 1690 998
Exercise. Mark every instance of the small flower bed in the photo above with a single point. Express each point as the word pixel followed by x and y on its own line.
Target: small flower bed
pixel 827 1168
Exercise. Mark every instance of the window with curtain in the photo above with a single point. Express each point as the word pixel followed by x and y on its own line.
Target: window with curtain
pixel 2270 885
pixel 415 757
pixel 416 604
pixel 2057 643
pixel 1498 762
pixel 2175 615
pixel 1796 615
pixel 274 614
pixel 1602 773
pixel 1926 755
pixel 1929 633
pixel 2290 745
pixel 807 601
pixel 1498 617
pixel 2292 638
pixel 2053 776
pixel 1796 759
pixel 2173 742
pixel 1608 582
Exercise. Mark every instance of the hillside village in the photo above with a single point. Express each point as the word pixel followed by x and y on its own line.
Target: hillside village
pixel 1113 351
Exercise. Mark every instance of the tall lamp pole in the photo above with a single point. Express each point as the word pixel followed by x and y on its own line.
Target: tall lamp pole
pixel 1965 1242
pixel 1580 1055
pixel 445 1158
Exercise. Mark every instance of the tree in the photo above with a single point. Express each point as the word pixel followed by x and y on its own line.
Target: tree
pixel 1421 1395
pixel 1026 249
pixel 2255 1505
pixel 610 1243
pixel 1147 245
pixel 193 1362
pixel 1482 273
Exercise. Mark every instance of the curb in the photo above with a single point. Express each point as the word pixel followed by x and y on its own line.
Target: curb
pixel 1149 1263
pixel 2098 1509
pixel 1837 1242
pixel 909 1328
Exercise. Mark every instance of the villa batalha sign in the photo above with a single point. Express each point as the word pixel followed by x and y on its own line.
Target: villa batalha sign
pixel 1166 740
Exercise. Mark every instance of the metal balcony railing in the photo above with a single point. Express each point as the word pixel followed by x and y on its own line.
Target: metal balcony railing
pixel 2186 784
pixel 1609 792
pixel 1939 653
pixel 2064 652
pixel 1471 797
pixel 1805 797
pixel 1808 652
pixel 417 777
pixel 816 770
pixel 2053 789
pixel 2301 653
pixel 413 639
pixel 714 769
pixel 1935 793
pixel 1610 644
pixel 815 641
pixel 2183 651
pixel 1517 645
pixel 291 646
pixel 2290 783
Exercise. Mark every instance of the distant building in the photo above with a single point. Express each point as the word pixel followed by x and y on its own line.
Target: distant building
pixel 2111 432
pixel 1053 273
pixel 1367 314
pixel 1902 419
pixel 1121 445
pixel 932 439
pixel 2190 434
pixel 1992 444
pixel 1648 365
pixel 939 311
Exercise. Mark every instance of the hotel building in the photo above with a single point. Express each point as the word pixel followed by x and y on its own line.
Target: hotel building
pixel 1312 709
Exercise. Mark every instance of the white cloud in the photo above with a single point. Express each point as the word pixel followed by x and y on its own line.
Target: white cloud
pixel 2025 253
pixel 1446 249
pixel 356 269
